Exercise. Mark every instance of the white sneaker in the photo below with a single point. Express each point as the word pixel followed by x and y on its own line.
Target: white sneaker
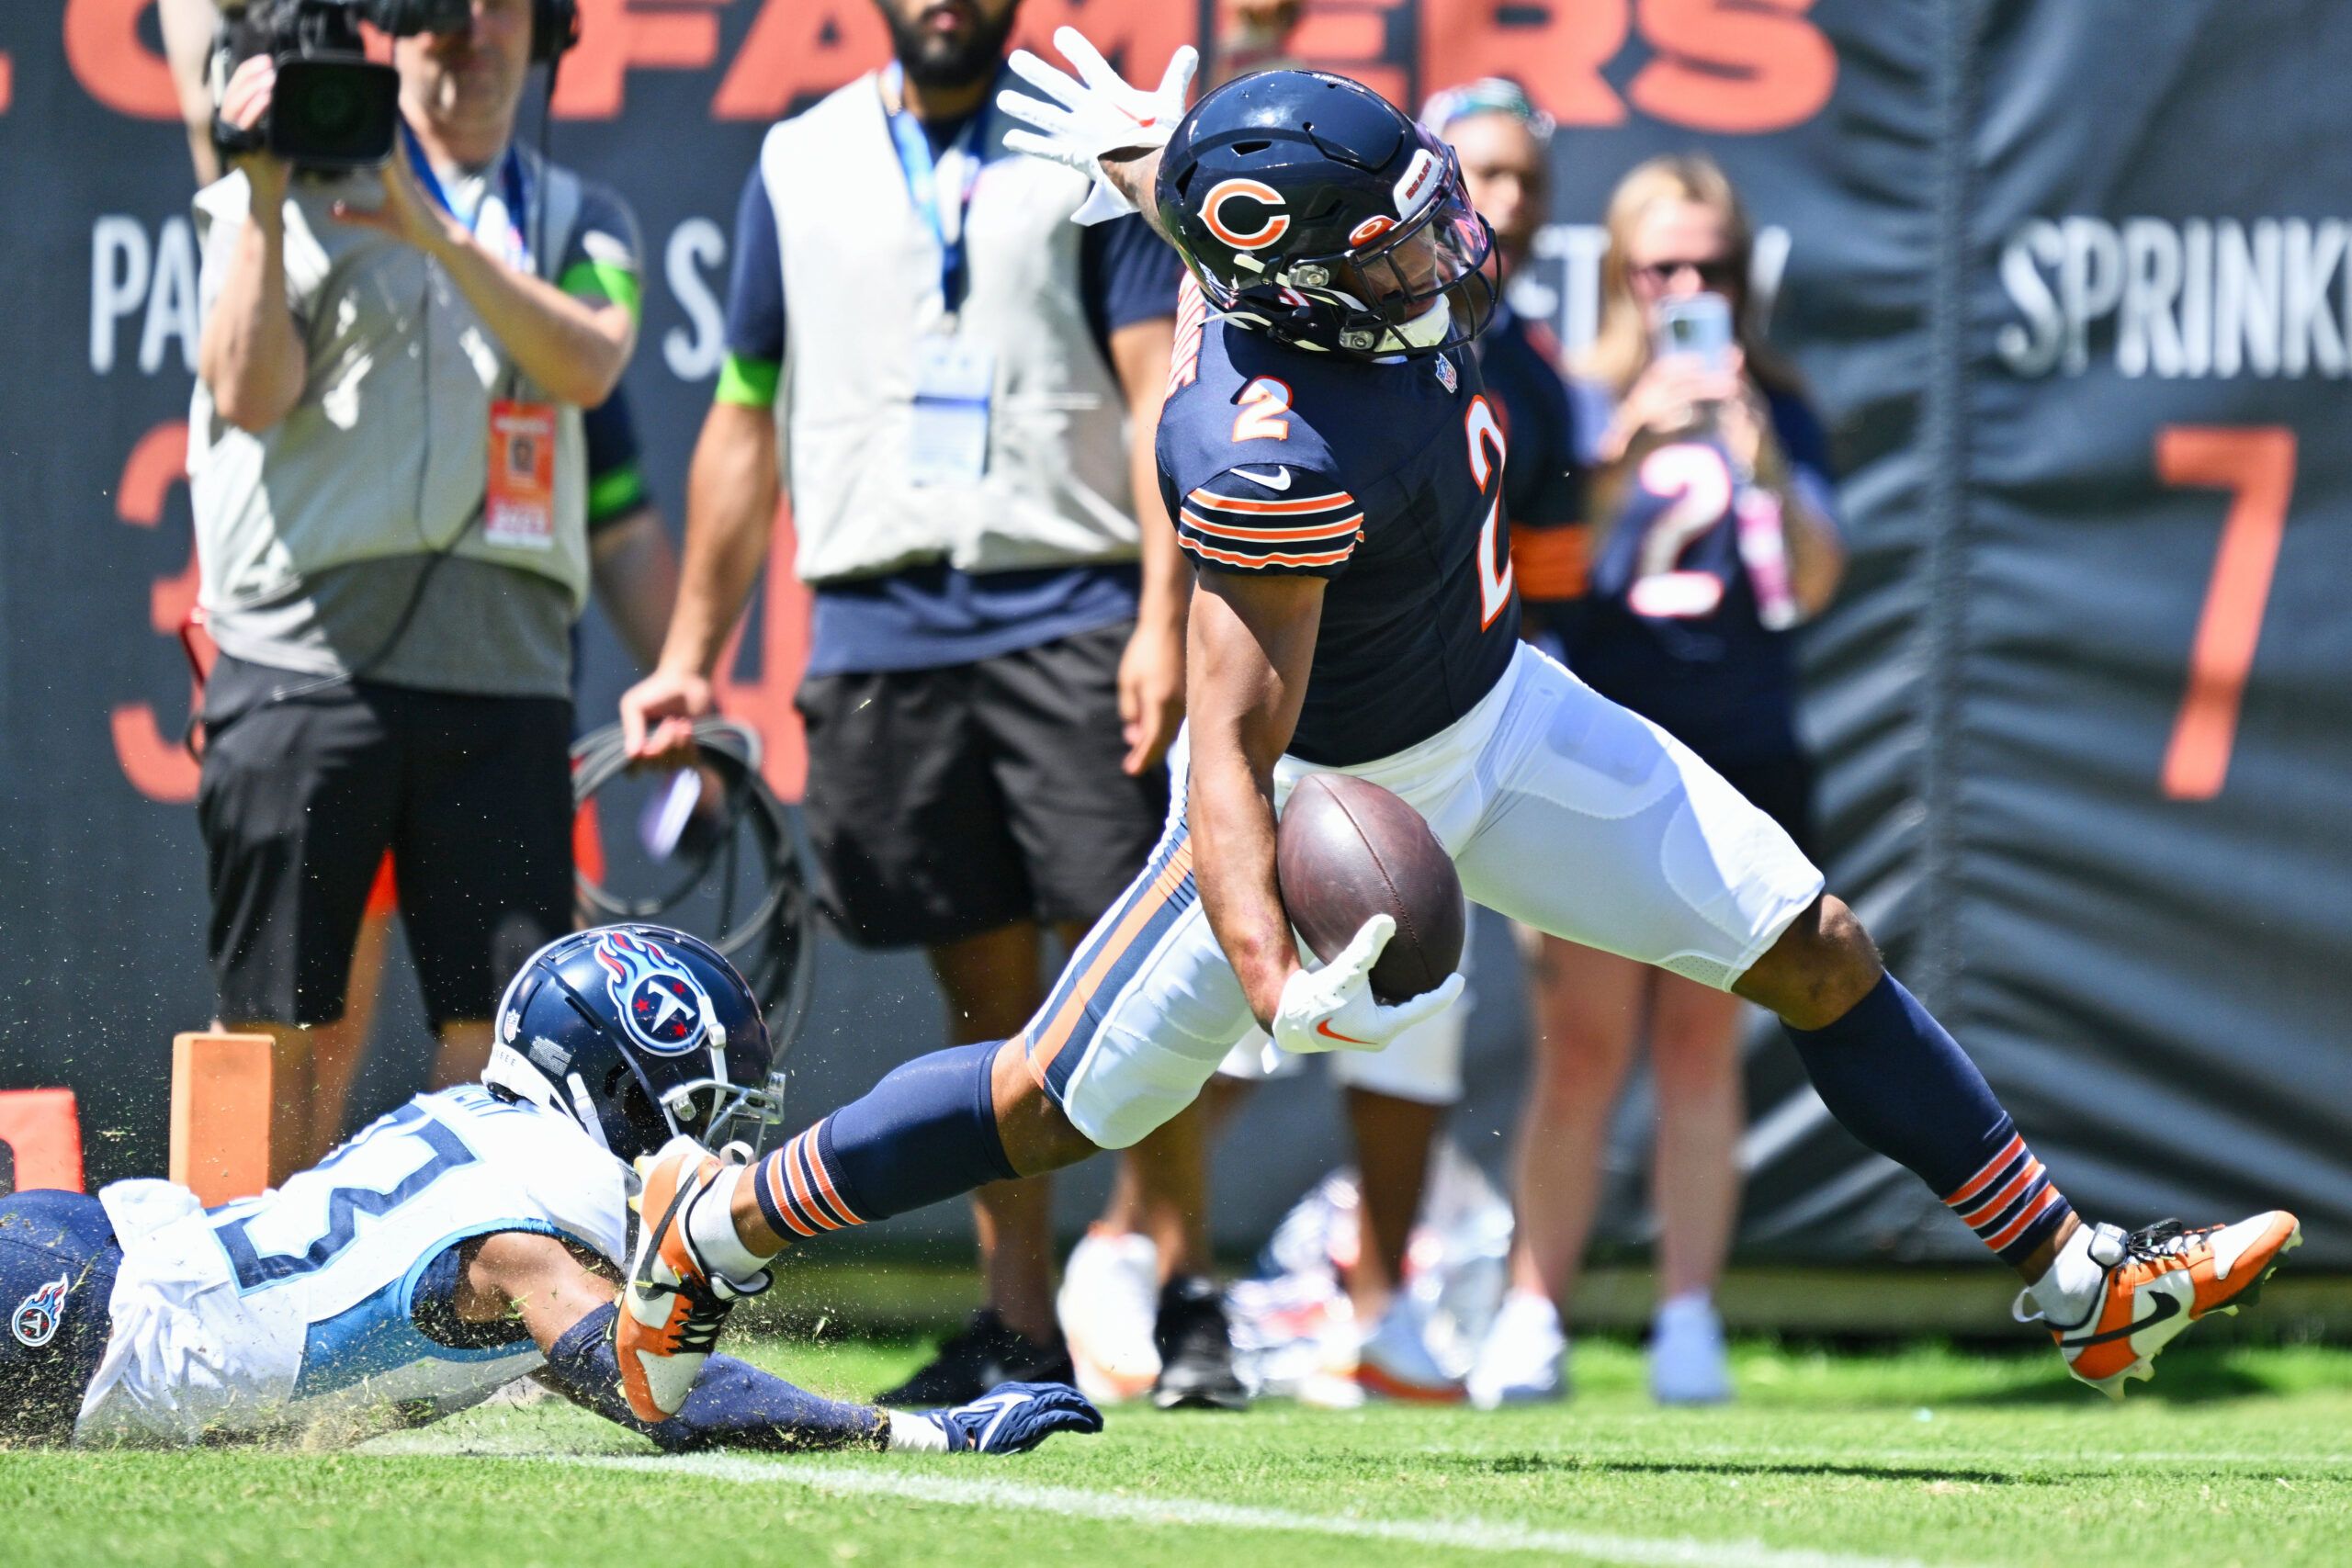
pixel 1688 1364
pixel 1524 1356
pixel 1108 1303
pixel 1394 1360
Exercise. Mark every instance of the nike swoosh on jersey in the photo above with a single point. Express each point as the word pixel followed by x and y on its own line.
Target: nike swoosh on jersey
pixel 1279 481
pixel 2166 1306
pixel 1324 1029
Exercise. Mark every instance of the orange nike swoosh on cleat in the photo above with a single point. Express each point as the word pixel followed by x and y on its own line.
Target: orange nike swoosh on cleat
pixel 1325 1030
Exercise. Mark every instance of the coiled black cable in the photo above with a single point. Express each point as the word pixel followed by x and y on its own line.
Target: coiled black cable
pixel 773 944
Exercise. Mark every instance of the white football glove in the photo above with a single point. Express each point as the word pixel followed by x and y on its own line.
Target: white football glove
pixel 1095 113
pixel 1332 1008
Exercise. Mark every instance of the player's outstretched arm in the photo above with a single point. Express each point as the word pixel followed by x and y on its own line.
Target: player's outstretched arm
pixel 568 1311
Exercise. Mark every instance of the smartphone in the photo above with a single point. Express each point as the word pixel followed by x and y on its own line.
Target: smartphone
pixel 1698 325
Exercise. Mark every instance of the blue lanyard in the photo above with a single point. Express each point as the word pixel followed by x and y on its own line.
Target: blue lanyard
pixel 514 191
pixel 923 184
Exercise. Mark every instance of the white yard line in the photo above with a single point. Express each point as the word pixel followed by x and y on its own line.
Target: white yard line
pixel 1598 1452
pixel 1457 1535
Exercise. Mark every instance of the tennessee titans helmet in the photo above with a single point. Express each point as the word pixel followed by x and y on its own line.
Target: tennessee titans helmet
pixel 638 1032
pixel 1312 209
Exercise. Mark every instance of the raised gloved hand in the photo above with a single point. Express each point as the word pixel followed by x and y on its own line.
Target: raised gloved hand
pixel 1092 114
pixel 1332 1008
pixel 1011 1418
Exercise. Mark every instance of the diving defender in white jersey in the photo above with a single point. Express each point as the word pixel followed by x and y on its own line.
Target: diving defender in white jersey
pixel 469 1238
pixel 1336 473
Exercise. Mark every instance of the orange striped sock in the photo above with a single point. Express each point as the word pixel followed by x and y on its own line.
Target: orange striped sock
pixel 2009 1201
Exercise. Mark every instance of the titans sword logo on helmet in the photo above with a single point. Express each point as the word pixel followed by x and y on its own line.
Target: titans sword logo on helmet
pixel 658 1000
pixel 36 1317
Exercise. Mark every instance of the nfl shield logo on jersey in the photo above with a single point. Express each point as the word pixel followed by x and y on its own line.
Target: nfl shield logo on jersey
pixel 38 1315
pixel 656 996
pixel 1446 376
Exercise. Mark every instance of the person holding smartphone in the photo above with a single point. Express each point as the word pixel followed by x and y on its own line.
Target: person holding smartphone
pixel 1715 535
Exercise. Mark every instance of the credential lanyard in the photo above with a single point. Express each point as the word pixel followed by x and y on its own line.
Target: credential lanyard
pixel 513 192
pixel 946 224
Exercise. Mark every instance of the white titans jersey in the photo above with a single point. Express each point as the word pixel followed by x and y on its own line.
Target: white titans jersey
pixel 293 1311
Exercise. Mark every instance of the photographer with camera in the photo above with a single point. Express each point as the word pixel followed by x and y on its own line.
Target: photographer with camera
pixel 387 465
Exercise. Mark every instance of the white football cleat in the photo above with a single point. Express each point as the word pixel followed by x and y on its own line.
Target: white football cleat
pixel 1688 1363
pixel 1525 1357
pixel 1108 1304
pixel 2158 1281
pixel 672 1306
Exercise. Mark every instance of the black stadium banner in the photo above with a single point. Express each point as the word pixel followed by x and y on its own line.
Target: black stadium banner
pixel 2069 278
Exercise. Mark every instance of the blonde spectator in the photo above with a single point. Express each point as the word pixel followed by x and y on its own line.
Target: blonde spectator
pixel 1687 620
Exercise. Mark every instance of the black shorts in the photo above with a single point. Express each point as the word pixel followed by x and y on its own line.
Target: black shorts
pixel 300 797
pixel 946 802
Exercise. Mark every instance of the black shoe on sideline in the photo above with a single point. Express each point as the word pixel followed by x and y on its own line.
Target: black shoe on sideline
pixel 976 1357
pixel 1195 1350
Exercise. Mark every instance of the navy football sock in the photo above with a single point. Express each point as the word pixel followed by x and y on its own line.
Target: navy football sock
pixel 927 1132
pixel 1898 1082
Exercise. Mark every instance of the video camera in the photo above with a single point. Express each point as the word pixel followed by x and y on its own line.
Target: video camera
pixel 333 106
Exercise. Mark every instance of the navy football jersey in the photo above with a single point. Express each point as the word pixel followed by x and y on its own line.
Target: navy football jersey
pixel 1385 478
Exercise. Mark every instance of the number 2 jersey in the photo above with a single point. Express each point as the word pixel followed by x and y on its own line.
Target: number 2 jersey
pixel 312 1302
pixel 1386 478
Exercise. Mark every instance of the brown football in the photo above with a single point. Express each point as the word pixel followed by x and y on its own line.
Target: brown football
pixel 1347 850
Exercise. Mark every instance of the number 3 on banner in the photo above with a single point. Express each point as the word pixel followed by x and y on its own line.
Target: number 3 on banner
pixel 2256 465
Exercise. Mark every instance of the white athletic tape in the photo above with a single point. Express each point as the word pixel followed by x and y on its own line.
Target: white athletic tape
pixel 1457 1535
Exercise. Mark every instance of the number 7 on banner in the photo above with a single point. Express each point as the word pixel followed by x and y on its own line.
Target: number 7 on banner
pixel 2256 465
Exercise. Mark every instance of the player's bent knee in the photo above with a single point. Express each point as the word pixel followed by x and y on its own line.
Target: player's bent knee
pixel 1038 1135
pixel 1823 964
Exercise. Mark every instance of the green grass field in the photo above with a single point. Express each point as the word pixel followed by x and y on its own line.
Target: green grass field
pixel 2239 1455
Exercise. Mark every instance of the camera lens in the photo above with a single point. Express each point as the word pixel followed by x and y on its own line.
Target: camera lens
pixel 331 110
pixel 334 112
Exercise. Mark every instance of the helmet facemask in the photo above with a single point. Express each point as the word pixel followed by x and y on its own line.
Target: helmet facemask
pixel 1416 287
pixel 564 1048
pixel 718 1111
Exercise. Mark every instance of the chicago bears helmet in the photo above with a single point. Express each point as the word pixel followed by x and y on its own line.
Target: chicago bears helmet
pixel 638 1032
pixel 1312 209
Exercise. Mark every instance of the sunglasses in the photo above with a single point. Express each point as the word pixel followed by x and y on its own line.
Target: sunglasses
pixel 1718 273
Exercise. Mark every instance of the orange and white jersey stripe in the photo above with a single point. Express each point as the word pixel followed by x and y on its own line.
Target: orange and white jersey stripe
pixel 1275 517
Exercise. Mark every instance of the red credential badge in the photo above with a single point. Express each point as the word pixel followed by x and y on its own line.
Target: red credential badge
pixel 521 509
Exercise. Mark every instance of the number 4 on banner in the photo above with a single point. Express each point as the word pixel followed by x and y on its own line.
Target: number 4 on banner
pixel 2256 465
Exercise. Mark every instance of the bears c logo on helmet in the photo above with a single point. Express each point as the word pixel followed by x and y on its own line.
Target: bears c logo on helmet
pixel 38 1315
pixel 657 998
pixel 1276 224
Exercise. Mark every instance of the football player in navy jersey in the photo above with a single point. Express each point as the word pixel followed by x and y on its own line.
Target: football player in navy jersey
pixel 1336 474
pixel 1504 144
